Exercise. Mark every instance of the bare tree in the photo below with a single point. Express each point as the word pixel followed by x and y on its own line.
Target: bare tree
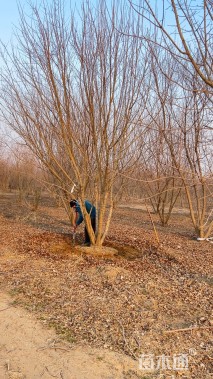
pixel 4 174
pixel 183 119
pixel 74 93
pixel 161 182
pixel 185 30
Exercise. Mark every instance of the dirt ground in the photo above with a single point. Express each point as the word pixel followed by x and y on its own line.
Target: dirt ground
pixel 144 313
pixel 28 350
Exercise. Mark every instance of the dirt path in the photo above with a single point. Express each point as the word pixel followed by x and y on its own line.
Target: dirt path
pixel 28 351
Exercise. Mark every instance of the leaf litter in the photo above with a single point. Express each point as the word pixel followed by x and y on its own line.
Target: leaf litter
pixel 145 300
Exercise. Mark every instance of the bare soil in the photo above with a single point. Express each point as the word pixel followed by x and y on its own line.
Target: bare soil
pixel 145 299
pixel 28 350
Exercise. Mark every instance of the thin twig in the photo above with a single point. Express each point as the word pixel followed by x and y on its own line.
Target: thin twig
pixel 155 230
pixel 7 364
pixel 53 347
pixel 188 329
pixel 4 309
pixel 124 337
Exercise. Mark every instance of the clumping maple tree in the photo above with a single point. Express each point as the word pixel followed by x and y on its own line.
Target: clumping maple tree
pixel 73 93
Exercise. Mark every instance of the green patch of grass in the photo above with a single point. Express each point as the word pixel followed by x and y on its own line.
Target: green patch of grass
pixel 15 302
pixel 15 291
pixel 100 358
pixel 38 307
pixel 62 331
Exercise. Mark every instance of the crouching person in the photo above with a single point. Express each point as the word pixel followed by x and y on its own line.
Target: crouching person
pixel 91 210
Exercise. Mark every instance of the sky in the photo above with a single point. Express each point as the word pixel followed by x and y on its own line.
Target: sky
pixel 9 15
pixel 8 18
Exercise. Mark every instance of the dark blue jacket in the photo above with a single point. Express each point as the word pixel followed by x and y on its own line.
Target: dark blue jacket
pixel 90 209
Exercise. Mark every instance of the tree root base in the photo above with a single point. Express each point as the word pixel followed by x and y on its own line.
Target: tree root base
pixel 103 251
